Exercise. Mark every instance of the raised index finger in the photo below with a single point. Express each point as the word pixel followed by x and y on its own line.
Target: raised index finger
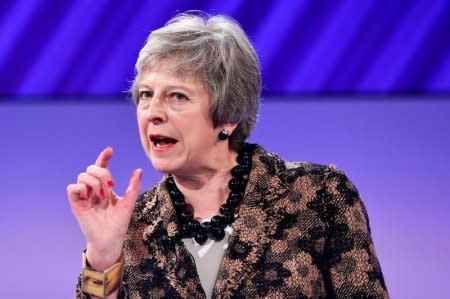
pixel 104 157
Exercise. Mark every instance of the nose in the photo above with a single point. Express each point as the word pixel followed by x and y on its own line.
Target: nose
pixel 156 112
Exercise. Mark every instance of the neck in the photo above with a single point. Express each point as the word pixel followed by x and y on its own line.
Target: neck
pixel 207 188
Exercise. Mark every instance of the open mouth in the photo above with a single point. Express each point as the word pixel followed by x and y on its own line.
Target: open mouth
pixel 161 141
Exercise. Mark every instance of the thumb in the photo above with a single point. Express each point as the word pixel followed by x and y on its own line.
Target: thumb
pixel 133 189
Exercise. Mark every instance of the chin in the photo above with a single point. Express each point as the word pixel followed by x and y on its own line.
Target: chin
pixel 164 165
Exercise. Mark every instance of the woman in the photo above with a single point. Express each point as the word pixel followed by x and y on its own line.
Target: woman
pixel 228 219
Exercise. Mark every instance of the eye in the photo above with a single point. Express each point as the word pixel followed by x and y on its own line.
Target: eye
pixel 179 96
pixel 145 95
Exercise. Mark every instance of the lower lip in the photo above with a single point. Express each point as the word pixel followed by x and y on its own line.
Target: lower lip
pixel 164 148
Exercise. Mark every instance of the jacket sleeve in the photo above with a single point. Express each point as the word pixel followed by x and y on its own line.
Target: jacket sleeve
pixel 79 293
pixel 352 268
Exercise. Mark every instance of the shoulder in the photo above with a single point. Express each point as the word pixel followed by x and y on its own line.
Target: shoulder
pixel 291 172
pixel 311 181
pixel 318 175
pixel 315 186
pixel 326 184
pixel 275 164
pixel 295 170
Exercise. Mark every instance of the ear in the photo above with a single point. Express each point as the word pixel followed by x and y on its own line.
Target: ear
pixel 230 127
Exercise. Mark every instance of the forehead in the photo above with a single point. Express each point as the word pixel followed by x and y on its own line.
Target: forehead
pixel 170 69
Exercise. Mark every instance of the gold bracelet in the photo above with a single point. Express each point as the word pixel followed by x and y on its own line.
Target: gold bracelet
pixel 101 284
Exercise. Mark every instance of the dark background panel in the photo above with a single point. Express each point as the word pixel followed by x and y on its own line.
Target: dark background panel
pixel 88 48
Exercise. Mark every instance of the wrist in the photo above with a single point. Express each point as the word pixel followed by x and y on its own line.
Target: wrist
pixel 102 284
pixel 102 259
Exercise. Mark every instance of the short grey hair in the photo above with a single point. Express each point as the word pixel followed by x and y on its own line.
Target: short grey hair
pixel 218 50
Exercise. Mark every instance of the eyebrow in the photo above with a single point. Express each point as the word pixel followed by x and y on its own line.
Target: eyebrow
pixel 183 87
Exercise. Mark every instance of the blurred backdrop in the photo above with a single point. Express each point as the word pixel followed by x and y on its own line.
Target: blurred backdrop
pixel 361 84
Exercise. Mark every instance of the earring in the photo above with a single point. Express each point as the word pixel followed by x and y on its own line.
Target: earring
pixel 223 135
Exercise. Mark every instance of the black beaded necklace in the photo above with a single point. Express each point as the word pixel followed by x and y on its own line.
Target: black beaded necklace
pixel 215 229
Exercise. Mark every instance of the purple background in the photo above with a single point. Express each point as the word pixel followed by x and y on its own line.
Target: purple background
pixel 394 150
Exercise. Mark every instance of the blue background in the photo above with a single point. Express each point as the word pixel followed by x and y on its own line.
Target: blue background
pixel 88 48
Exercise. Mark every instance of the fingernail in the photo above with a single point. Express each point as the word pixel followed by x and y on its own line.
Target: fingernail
pixel 102 193
pixel 110 183
pixel 140 174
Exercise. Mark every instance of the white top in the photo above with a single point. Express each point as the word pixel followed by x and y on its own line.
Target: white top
pixel 208 258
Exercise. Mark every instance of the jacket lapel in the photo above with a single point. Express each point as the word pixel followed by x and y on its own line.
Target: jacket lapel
pixel 254 225
pixel 162 238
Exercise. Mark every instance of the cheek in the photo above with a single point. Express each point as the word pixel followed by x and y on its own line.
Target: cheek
pixel 195 127
pixel 199 136
pixel 142 127
pixel 140 118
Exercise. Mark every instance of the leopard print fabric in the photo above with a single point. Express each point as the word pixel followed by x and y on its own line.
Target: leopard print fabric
pixel 302 232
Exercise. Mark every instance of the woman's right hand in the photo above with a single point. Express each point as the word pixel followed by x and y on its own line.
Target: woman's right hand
pixel 103 215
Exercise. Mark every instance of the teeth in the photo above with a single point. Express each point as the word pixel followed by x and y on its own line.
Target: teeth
pixel 159 143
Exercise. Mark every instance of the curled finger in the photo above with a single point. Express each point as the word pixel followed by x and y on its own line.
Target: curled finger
pixel 77 195
pixel 98 195
pixel 104 175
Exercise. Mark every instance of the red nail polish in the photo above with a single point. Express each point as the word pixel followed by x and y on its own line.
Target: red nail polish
pixel 110 183
pixel 102 193
pixel 140 175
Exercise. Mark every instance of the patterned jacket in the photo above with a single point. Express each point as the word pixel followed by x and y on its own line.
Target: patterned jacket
pixel 302 232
